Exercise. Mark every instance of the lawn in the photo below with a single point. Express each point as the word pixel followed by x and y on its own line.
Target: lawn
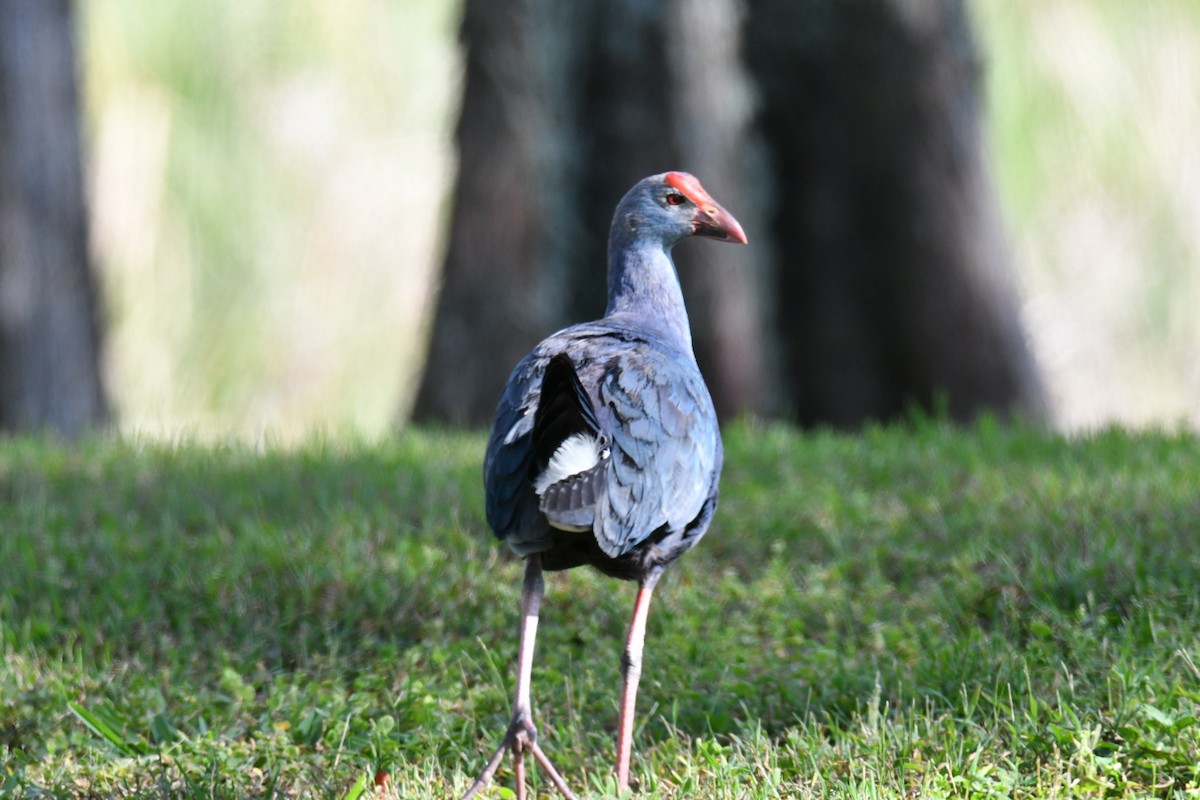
pixel 913 611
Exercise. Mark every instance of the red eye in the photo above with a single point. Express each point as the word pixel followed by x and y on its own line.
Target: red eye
pixel 675 199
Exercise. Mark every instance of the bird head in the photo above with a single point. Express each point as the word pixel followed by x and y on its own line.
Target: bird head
pixel 674 205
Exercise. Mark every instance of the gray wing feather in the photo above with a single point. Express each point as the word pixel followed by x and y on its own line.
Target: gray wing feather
pixel 666 448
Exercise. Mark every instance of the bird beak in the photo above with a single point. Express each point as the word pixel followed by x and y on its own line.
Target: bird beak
pixel 714 222
pixel 710 219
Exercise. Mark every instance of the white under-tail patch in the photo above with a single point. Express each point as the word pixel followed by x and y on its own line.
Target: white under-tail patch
pixel 577 453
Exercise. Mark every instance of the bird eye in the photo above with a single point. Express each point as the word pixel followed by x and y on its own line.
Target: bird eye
pixel 676 199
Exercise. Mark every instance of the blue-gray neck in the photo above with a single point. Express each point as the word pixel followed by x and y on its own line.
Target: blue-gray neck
pixel 643 287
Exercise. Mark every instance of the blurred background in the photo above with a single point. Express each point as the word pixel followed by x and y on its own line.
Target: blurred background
pixel 270 198
pixel 268 186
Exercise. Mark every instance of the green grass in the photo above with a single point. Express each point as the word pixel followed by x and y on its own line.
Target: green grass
pixel 910 612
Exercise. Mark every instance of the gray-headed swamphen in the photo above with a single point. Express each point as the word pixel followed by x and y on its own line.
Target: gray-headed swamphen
pixel 605 449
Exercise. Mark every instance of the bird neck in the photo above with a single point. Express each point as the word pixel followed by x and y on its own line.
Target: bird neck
pixel 644 292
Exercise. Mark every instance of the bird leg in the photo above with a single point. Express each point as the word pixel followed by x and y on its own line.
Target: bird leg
pixel 521 735
pixel 631 673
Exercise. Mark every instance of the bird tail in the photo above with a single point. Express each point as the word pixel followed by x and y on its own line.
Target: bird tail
pixel 570 450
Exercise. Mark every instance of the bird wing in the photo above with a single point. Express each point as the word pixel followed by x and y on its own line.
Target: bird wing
pixel 665 450
pixel 516 453
pixel 511 504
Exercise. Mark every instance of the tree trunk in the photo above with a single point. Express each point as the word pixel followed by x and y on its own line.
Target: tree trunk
pixel 892 267
pixel 494 299
pixel 49 374
pixel 879 279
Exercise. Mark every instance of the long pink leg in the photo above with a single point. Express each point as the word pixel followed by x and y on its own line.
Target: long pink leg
pixel 521 734
pixel 631 670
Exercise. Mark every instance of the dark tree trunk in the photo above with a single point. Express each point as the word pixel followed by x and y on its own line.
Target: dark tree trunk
pixel 494 299
pixel 49 375
pixel 891 261
pixel 878 280
pixel 563 110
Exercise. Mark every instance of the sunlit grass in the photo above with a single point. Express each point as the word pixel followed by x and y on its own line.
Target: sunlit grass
pixel 911 612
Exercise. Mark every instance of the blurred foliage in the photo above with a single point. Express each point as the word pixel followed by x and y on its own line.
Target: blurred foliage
pixel 269 181
pixel 1094 107
pixel 266 184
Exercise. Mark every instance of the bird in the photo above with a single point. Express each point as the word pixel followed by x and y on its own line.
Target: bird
pixel 605 450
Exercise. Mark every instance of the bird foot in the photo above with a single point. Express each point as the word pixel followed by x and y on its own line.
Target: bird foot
pixel 520 738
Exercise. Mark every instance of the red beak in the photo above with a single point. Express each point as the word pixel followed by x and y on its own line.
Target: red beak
pixel 714 222
pixel 711 220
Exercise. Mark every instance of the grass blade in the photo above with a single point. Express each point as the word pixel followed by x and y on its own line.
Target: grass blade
pixel 357 789
pixel 97 725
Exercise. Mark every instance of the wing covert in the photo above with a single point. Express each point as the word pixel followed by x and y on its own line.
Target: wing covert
pixel 665 448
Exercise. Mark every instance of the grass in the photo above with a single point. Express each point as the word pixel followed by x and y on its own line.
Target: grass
pixel 914 611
